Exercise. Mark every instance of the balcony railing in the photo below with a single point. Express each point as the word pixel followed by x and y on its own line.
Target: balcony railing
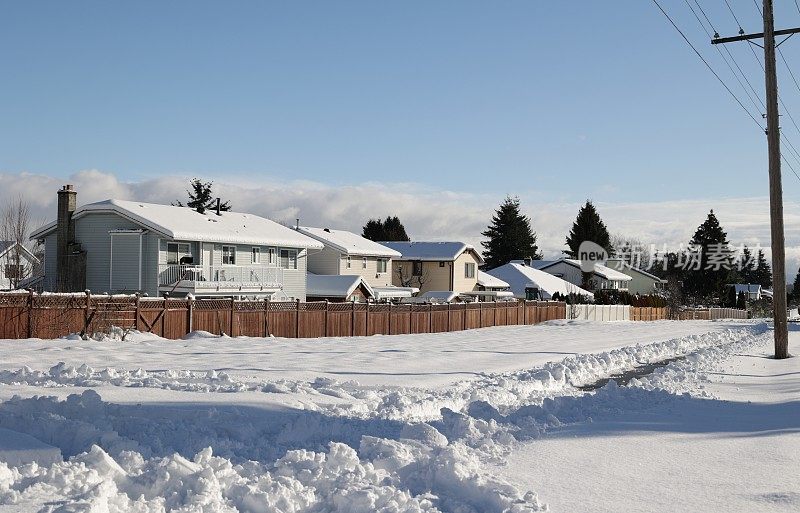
pixel 233 276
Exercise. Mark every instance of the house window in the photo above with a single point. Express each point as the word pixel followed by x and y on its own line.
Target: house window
pixel 229 255
pixel 349 262
pixel 469 270
pixel 14 271
pixel 177 251
pixel 256 256
pixel 382 265
pixel 289 258
pixel 364 263
pixel 416 268
pixel 271 256
pixel 441 264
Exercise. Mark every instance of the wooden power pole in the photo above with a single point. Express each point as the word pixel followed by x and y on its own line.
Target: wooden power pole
pixel 775 187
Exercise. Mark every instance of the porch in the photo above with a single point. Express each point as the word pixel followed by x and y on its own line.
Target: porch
pixel 219 280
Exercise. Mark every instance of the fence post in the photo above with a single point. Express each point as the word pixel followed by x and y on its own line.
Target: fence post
pixel 449 328
pixel 30 313
pixel 266 317
pixel 480 314
pixel 390 318
pixel 190 314
pixel 87 314
pixel 494 316
pixel 353 319
pixel 137 313
pixel 326 317
pixel 233 309
pixel 297 319
pixel 464 317
pixel 366 321
pixel 430 318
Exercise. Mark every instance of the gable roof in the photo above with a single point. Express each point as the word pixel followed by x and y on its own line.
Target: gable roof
pixel 432 251
pixel 7 245
pixel 183 223
pixel 628 267
pixel 334 285
pixel 599 269
pixel 348 243
pixel 520 276
pixel 487 280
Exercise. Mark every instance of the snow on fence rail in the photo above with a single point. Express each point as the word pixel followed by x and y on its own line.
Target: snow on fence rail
pixel 637 313
pixel 53 316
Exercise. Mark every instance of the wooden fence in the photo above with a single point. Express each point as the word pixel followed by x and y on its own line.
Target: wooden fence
pixel 53 316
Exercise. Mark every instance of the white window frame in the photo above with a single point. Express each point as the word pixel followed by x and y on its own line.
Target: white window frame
pixel 383 265
pixel 255 255
pixel 180 250
pixel 272 256
pixel 469 270
pixel 364 262
pixel 290 261
pixel 349 262
pixel 231 255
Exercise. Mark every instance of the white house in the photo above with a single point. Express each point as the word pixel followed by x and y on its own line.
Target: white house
pixel 527 282
pixel 752 290
pixel 120 246
pixel 16 264
pixel 642 282
pixel 603 278
pixel 348 254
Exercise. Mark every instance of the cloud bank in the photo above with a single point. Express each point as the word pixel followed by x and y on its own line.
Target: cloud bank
pixel 428 214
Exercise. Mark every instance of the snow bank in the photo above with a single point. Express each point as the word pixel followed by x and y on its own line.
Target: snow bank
pixel 392 449
pixel 18 449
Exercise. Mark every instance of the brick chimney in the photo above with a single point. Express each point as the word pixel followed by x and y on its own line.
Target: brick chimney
pixel 65 233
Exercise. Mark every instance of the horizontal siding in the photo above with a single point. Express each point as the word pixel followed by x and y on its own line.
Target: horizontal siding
pixel 91 231
pixel 294 280
pixel 324 262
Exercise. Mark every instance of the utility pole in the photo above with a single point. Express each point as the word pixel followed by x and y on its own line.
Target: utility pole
pixel 775 187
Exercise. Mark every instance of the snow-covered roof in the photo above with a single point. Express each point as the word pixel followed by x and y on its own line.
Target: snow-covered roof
pixel 433 296
pixel 348 243
pixel 519 277
pixel 7 245
pixel 599 269
pixel 183 223
pixel 622 266
pixel 489 281
pixel 393 292
pixel 431 251
pixel 751 288
pixel 334 285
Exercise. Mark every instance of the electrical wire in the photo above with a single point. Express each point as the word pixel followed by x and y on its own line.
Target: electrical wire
pixel 686 39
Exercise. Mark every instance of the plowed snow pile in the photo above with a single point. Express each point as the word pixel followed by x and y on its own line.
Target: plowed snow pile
pixel 252 425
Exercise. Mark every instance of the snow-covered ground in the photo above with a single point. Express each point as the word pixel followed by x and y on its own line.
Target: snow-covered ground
pixel 485 420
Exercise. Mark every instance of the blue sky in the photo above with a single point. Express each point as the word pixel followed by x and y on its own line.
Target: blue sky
pixel 563 100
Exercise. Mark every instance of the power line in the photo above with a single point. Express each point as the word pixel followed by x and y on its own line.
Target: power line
pixel 733 72
pixel 736 98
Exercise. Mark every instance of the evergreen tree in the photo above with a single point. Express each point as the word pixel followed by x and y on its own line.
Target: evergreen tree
pixel 796 287
pixel 588 227
pixel 746 265
pixel 388 230
pixel 762 274
pixel 201 197
pixel 711 242
pixel 510 236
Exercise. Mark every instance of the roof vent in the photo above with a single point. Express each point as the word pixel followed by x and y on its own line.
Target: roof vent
pixel 327 230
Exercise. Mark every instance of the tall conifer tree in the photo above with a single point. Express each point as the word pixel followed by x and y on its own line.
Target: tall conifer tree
pixel 509 236
pixel 588 227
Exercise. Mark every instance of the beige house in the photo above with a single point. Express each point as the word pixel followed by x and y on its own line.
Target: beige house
pixel 436 266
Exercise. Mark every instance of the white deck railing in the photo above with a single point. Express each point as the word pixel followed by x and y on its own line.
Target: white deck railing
pixel 234 276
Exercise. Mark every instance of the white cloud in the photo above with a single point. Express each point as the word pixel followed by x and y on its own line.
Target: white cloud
pixel 426 212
